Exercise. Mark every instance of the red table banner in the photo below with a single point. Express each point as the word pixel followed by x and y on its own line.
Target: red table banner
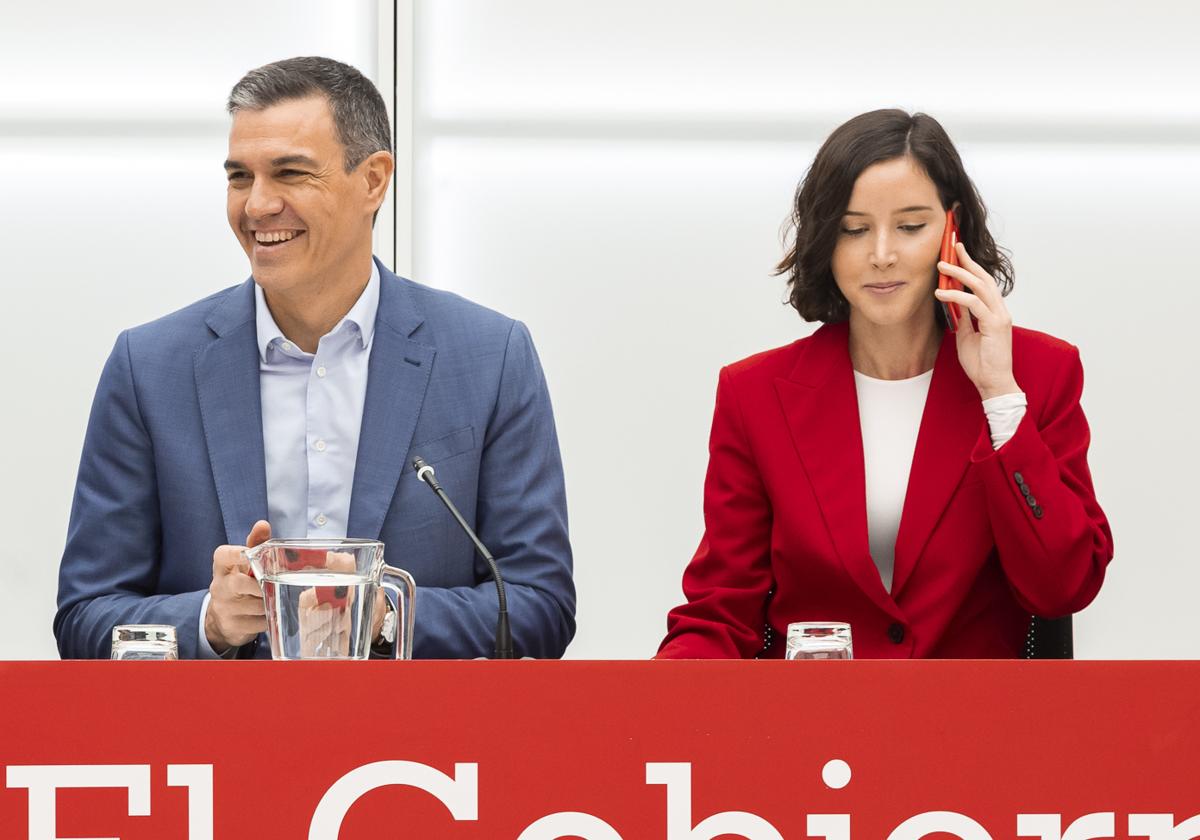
pixel 600 750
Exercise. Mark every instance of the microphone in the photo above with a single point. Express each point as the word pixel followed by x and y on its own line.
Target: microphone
pixel 504 645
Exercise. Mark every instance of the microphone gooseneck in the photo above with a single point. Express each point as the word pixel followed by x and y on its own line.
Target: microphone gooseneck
pixel 504 645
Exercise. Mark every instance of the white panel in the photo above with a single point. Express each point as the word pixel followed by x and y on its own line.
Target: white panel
pixel 640 269
pixel 1026 59
pixel 578 167
pixel 641 261
pixel 112 212
pixel 153 61
pixel 111 235
pixel 643 267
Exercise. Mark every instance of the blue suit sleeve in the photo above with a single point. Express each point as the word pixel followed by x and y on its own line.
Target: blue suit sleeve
pixel 111 561
pixel 521 516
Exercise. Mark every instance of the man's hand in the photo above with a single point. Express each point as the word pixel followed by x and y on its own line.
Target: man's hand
pixel 236 613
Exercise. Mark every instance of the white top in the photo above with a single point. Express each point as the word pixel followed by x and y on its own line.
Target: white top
pixel 889 413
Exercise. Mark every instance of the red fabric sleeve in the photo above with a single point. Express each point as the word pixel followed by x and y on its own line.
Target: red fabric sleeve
pixel 1053 540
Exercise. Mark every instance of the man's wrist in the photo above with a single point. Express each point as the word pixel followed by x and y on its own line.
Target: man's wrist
pixel 207 630
pixel 211 635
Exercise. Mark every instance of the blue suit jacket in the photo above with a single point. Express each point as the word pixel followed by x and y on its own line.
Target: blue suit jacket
pixel 173 467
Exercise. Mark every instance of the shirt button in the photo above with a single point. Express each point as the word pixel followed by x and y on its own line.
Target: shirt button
pixel 321 520
pixel 1020 478
pixel 287 345
pixel 321 371
pixel 319 446
pixel 896 633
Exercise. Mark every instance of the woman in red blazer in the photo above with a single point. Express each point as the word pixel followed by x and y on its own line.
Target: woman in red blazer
pixel 993 517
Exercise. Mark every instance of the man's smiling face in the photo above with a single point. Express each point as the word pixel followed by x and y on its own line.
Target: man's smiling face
pixel 297 212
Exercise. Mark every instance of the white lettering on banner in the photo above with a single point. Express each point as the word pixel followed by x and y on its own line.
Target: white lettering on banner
pixel 570 824
pixel 1049 826
pixel 677 776
pixel 44 780
pixel 829 826
pixel 198 779
pixel 930 822
pixel 459 794
pixel 836 775
pixel 1162 827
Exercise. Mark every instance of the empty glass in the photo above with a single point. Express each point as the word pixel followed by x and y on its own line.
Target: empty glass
pixel 320 597
pixel 144 641
pixel 819 640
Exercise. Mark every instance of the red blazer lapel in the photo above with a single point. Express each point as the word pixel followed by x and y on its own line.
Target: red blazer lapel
pixel 820 403
pixel 950 427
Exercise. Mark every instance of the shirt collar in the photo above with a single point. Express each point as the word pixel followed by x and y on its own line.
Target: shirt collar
pixel 362 315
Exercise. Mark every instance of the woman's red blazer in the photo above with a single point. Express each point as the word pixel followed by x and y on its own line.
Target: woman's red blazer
pixel 976 555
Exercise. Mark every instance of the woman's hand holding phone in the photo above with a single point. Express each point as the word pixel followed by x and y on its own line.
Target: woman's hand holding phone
pixel 985 346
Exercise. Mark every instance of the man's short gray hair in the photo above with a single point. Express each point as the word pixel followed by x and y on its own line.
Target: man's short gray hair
pixel 359 113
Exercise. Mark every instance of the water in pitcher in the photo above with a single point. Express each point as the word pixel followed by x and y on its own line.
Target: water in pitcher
pixel 318 614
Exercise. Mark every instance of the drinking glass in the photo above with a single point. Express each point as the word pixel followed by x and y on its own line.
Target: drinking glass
pixel 819 640
pixel 144 641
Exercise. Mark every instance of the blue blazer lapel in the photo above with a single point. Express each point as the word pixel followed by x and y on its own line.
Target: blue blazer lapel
pixel 397 377
pixel 226 373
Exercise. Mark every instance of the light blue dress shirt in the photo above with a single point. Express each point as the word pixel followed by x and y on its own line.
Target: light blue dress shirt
pixel 312 408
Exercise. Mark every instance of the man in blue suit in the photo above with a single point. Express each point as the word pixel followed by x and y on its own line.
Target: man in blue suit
pixel 292 405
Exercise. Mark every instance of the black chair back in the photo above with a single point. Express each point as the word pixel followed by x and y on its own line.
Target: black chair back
pixel 1049 638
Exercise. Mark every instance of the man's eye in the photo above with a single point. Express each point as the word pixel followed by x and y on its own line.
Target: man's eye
pixel 237 176
pixel 912 228
pixel 854 231
pixel 290 173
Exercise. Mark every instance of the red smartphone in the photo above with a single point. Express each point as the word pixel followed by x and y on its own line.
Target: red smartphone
pixel 950 255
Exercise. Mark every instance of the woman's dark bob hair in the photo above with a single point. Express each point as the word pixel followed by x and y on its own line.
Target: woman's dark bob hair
pixel 822 197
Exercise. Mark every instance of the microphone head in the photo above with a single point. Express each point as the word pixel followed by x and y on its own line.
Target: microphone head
pixel 424 471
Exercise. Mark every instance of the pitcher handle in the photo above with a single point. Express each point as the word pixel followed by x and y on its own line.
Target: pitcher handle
pixel 406 595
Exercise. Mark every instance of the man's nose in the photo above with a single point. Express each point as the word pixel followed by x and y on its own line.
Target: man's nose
pixel 883 254
pixel 264 200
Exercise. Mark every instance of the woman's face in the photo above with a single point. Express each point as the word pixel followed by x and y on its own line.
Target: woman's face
pixel 885 260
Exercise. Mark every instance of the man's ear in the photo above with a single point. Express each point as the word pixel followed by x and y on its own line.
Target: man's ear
pixel 376 172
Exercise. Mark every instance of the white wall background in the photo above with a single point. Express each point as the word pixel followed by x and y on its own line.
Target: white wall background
pixel 615 175
pixel 112 212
